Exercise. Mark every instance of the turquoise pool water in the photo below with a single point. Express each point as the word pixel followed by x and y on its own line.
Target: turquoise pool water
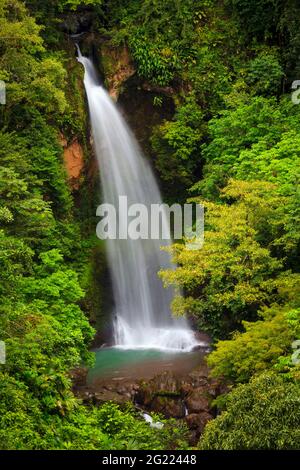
pixel 140 363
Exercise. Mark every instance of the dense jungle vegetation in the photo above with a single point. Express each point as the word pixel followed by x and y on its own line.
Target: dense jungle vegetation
pixel 232 145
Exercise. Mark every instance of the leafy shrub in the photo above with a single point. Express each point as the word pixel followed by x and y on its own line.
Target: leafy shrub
pixel 264 414
pixel 259 347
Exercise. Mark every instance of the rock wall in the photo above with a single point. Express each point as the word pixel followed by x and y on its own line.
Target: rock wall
pixel 73 160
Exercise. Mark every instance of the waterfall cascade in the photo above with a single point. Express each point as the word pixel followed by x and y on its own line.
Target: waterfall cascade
pixel 143 318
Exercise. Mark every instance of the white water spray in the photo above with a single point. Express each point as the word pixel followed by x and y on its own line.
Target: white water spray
pixel 143 318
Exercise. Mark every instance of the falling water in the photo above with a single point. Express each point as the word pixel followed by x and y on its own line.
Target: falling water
pixel 143 318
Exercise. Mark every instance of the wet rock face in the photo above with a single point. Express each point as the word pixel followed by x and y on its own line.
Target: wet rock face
pixel 196 423
pixel 197 401
pixel 169 407
pixel 116 391
pixel 192 393
pixel 117 67
pixel 162 394
pixel 187 397
pixel 140 111
pixel 79 22
pixel 165 384
pixel 73 160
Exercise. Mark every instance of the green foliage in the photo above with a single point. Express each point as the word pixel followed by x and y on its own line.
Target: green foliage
pixel 73 4
pixel 263 414
pixel 129 432
pixel 21 29
pixel 278 164
pixel 257 18
pixel 43 258
pixel 265 73
pixel 175 145
pixel 154 63
pixel 258 141
pixel 256 121
pixel 160 35
pixel 24 426
pixel 45 331
pixel 259 347
pixel 234 273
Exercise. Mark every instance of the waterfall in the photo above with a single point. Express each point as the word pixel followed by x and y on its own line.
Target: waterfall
pixel 143 318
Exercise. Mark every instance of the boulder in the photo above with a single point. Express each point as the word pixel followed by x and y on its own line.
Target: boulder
pixel 198 421
pixel 197 401
pixel 78 376
pixel 170 407
pixel 200 373
pixel 164 384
